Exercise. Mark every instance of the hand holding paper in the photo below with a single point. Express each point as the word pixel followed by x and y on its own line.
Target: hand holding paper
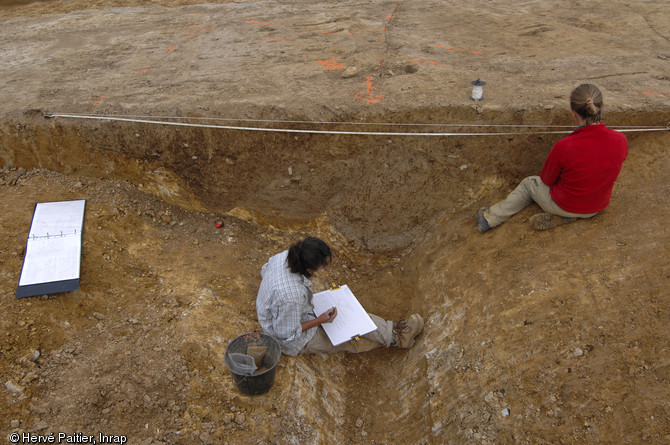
pixel 353 320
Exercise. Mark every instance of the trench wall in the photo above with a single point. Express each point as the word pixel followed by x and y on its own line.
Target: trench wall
pixel 383 192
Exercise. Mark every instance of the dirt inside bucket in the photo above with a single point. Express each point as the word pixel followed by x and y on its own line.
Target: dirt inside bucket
pixel 264 352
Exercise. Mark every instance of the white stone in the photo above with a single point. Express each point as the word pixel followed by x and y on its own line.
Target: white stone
pixel 13 387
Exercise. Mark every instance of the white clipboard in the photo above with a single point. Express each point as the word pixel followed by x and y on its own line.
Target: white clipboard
pixel 352 320
pixel 53 251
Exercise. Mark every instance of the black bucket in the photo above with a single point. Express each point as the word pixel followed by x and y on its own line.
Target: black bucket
pixel 253 385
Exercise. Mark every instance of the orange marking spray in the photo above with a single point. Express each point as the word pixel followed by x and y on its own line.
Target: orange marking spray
pixel 331 64
pixel 100 99
pixel 369 99
pixel 260 23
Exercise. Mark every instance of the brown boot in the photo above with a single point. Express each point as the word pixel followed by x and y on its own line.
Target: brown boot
pixel 545 221
pixel 405 332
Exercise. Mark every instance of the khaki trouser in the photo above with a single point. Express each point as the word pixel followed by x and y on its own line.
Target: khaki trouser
pixel 382 336
pixel 531 189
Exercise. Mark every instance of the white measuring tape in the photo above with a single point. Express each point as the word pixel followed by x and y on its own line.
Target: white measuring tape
pixel 126 118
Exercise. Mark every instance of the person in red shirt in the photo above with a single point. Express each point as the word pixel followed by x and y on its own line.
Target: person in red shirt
pixel 578 175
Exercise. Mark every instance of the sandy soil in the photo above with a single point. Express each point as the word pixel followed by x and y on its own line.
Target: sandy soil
pixel 531 337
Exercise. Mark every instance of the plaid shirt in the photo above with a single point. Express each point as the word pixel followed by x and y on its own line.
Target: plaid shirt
pixel 284 301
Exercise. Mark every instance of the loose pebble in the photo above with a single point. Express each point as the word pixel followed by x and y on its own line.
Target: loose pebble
pixel 239 418
pixel 349 72
pixel 41 425
pixel 13 387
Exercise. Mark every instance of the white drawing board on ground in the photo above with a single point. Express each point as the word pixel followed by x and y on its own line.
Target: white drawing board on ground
pixel 351 321
pixel 53 251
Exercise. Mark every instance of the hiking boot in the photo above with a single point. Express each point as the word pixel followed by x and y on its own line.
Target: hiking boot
pixel 544 221
pixel 405 332
pixel 482 224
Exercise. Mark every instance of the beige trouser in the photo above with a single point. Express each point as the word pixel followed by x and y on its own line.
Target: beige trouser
pixel 531 189
pixel 382 336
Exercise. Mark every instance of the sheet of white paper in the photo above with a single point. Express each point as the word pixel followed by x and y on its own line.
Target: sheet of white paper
pixel 351 318
pixel 53 251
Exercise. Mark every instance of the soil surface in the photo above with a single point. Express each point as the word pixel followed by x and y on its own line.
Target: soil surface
pixel 531 337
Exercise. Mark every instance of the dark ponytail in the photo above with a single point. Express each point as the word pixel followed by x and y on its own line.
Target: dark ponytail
pixel 310 253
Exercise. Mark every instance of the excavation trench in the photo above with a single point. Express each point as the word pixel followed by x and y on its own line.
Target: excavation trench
pixel 397 211
pixel 531 338
pixel 383 192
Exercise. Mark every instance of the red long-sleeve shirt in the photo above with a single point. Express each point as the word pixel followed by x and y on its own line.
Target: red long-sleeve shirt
pixel 581 169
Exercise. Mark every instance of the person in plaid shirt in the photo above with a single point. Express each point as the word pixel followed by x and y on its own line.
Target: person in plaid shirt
pixel 285 310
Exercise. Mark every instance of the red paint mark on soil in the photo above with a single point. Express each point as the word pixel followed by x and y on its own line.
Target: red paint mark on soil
pixel 144 70
pixel 189 36
pixel 100 99
pixel 390 16
pixel 371 87
pixel 172 48
pixel 656 93
pixel 457 49
pixel 331 64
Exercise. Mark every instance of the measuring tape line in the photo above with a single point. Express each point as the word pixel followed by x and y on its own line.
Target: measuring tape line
pixel 332 132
